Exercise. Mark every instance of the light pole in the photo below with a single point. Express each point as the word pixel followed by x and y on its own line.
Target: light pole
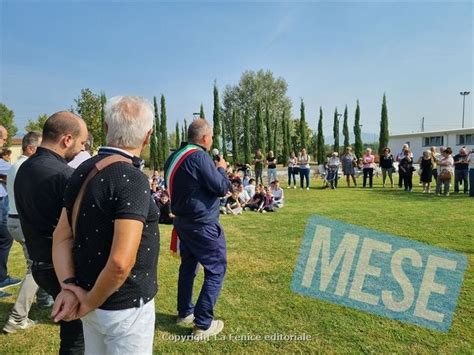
pixel 464 94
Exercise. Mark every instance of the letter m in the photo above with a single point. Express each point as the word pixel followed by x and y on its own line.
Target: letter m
pixel 321 245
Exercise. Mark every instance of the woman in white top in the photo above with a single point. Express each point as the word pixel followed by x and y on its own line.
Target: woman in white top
pixel 303 161
pixel 293 169
pixel 445 171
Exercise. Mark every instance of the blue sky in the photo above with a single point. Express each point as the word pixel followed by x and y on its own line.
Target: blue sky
pixel 330 53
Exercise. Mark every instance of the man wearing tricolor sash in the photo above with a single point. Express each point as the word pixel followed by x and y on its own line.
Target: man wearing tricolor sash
pixel 195 183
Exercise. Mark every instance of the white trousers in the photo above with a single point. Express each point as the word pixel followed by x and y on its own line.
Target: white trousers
pixel 128 331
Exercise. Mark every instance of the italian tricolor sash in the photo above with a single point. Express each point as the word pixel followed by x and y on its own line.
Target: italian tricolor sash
pixel 178 159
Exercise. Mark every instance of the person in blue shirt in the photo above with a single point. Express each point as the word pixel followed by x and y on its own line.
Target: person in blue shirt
pixel 195 183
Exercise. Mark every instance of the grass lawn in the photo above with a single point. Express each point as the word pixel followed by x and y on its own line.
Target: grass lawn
pixel 262 253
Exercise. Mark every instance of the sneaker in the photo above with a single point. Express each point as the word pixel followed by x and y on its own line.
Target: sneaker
pixel 13 326
pixel 215 328
pixel 294 187
pixel 263 211
pixel 9 282
pixel 48 302
pixel 189 319
pixel 307 188
pixel 447 193
pixel 4 294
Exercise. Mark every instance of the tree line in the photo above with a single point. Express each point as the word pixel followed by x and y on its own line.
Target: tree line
pixel 255 113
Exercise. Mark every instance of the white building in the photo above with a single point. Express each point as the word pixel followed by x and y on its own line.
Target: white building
pixel 421 141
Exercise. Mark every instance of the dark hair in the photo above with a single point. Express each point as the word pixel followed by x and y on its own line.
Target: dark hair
pixel 448 150
pixel 31 138
pixel 387 148
pixel 59 124
pixel 164 194
pixel 251 180
pixel 5 152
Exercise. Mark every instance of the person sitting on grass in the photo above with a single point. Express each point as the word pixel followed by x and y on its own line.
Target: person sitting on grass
pixel 250 188
pixel 233 206
pixel 258 199
pixel 166 217
pixel 426 167
pixel 243 196
pixel 278 195
pixel 267 202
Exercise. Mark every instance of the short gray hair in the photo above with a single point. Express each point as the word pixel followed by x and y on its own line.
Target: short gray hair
pixel 128 119
pixel 197 129
pixel 31 138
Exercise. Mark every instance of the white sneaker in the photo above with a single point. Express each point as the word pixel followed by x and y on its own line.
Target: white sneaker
pixel 13 326
pixel 294 187
pixel 186 320
pixel 307 188
pixel 215 328
pixel 288 187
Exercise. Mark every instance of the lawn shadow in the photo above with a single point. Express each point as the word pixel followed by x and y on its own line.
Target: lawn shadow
pixel 167 323
pixel 416 195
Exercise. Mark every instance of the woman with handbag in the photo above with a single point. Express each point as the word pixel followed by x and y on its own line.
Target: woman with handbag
pixel 445 171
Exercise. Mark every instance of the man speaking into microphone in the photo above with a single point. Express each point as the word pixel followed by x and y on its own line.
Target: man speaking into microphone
pixel 195 183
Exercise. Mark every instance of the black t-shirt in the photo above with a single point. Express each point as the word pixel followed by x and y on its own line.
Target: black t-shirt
pixel 271 162
pixel 386 162
pixel 120 191
pixel 461 166
pixel 165 211
pixel 39 191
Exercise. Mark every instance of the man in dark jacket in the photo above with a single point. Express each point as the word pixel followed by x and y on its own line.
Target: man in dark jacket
pixel 195 186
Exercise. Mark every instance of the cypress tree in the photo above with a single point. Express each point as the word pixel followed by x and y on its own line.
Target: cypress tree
pixel 288 133
pixel 158 154
pixel 164 132
pixel 103 101
pixel 177 140
pixel 335 131
pixel 274 144
pixel 185 130
pixel 303 132
pixel 183 134
pixel 383 137
pixel 153 149
pixel 269 129
pixel 235 139
pixel 247 148
pixel 216 127
pixel 201 112
pixel 358 145
pixel 285 151
pixel 260 138
pixel 345 129
pixel 224 141
pixel 321 149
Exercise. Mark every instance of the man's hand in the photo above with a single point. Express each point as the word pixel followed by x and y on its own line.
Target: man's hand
pixel 221 163
pixel 65 306
pixel 82 296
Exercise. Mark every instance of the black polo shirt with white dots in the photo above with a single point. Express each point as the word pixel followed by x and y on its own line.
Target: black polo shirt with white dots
pixel 120 191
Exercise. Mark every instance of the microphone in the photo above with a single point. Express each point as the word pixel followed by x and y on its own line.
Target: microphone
pixel 215 154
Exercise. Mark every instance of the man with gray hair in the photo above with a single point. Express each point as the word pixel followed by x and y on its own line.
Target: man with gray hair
pixel 18 319
pixel 106 244
pixel 195 184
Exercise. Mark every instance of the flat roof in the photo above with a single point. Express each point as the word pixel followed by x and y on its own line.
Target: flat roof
pixel 445 131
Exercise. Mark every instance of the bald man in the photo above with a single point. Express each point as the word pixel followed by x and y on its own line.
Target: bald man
pixel 39 191
pixel 195 185
pixel 6 239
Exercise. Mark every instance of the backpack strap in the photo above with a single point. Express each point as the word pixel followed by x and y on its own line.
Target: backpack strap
pixel 99 166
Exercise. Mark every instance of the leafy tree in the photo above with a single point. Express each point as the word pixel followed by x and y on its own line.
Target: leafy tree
pixel 247 148
pixel 345 129
pixel 183 134
pixel 201 112
pixel 89 107
pixel 303 133
pixel 358 145
pixel 153 163
pixel 335 130
pixel 216 127
pixel 286 144
pixel 177 142
pixel 321 149
pixel 275 134
pixel 254 89
pixel 36 125
pixel 165 147
pixel 260 138
pixel 235 139
pixel 224 140
pixel 383 137
pixel 6 120
pixel 268 129
pixel 288 133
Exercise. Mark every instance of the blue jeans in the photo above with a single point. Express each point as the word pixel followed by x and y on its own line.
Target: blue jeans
pixel 461 176
pixel 272 175
pixel 200 243
pixel 291 174
pixel 6 239
pixel 304 174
